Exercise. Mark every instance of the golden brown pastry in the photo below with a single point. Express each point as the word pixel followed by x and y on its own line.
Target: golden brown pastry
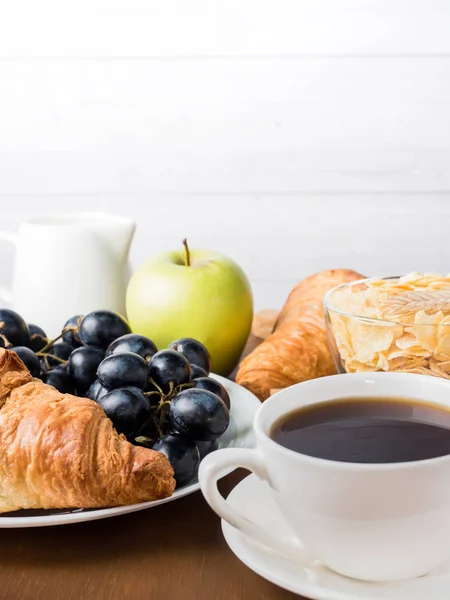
pixel 60 451
pixel 297 350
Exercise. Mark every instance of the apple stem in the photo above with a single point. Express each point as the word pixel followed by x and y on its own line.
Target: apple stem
pixel 187 254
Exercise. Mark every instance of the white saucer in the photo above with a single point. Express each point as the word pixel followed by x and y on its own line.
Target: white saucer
pixel 239 434
pixel 253 498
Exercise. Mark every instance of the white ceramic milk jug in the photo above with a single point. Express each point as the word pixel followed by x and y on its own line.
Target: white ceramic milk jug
pixel 69 264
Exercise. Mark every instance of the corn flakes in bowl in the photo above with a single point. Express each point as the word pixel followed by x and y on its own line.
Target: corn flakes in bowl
pixel 391 324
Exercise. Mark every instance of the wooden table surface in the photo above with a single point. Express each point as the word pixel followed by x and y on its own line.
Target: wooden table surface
pixel 171 552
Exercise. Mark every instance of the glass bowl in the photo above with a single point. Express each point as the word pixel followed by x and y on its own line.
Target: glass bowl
pixel 367 331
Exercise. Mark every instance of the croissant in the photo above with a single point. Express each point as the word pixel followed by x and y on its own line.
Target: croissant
pixel 297 350
pixel 61 451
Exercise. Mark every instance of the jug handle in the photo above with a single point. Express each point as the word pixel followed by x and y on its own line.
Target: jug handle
pixel 5 292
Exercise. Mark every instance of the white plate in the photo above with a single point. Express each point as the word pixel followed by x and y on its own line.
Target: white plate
pixel 239 434
pixel 254 499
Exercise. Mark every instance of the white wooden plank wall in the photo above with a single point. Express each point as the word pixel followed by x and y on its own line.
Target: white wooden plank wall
pixel 293 135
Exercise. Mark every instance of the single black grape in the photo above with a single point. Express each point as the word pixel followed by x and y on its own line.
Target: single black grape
pixel 101 327
pixel 205 448
pixel 197 372
pixel 169 366
pixel 96 391
pixel 121 370
pixel 29 359
pixel 82 367
pixel 71 335
pixel 194 351
pixel 210 384
pixel 133 342
pixel 182 454
pixel 61 350
pixel 199 414
pixel 127 407
pixel 38 337
pixel 14 328
pixel 60 379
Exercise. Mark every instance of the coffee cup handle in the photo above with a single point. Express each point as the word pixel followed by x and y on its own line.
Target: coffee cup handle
pixel 216 465
pixel 7 236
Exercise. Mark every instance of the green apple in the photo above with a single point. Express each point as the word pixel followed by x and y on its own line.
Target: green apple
pixel 193 293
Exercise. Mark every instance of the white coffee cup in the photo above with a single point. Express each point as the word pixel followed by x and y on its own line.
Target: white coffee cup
pixel 376 522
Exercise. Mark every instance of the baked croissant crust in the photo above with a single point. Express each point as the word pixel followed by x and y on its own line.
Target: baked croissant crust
pixel 297 350
pixel 61 451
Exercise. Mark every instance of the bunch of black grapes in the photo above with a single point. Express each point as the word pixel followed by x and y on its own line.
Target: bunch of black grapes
pixel 162 400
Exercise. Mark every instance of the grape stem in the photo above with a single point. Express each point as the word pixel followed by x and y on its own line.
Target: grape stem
pixel 164 402
pixel 51 342
pixel 184 386
pixel 46 355
pixel 153 382
pixel 153 417
pixel 143 438
pixel 6 341
pixel 172 391
pixel 187 254
pixel 4 338
pixel 37 336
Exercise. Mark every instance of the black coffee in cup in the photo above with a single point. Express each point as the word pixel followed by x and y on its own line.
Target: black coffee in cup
pixel 367 430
